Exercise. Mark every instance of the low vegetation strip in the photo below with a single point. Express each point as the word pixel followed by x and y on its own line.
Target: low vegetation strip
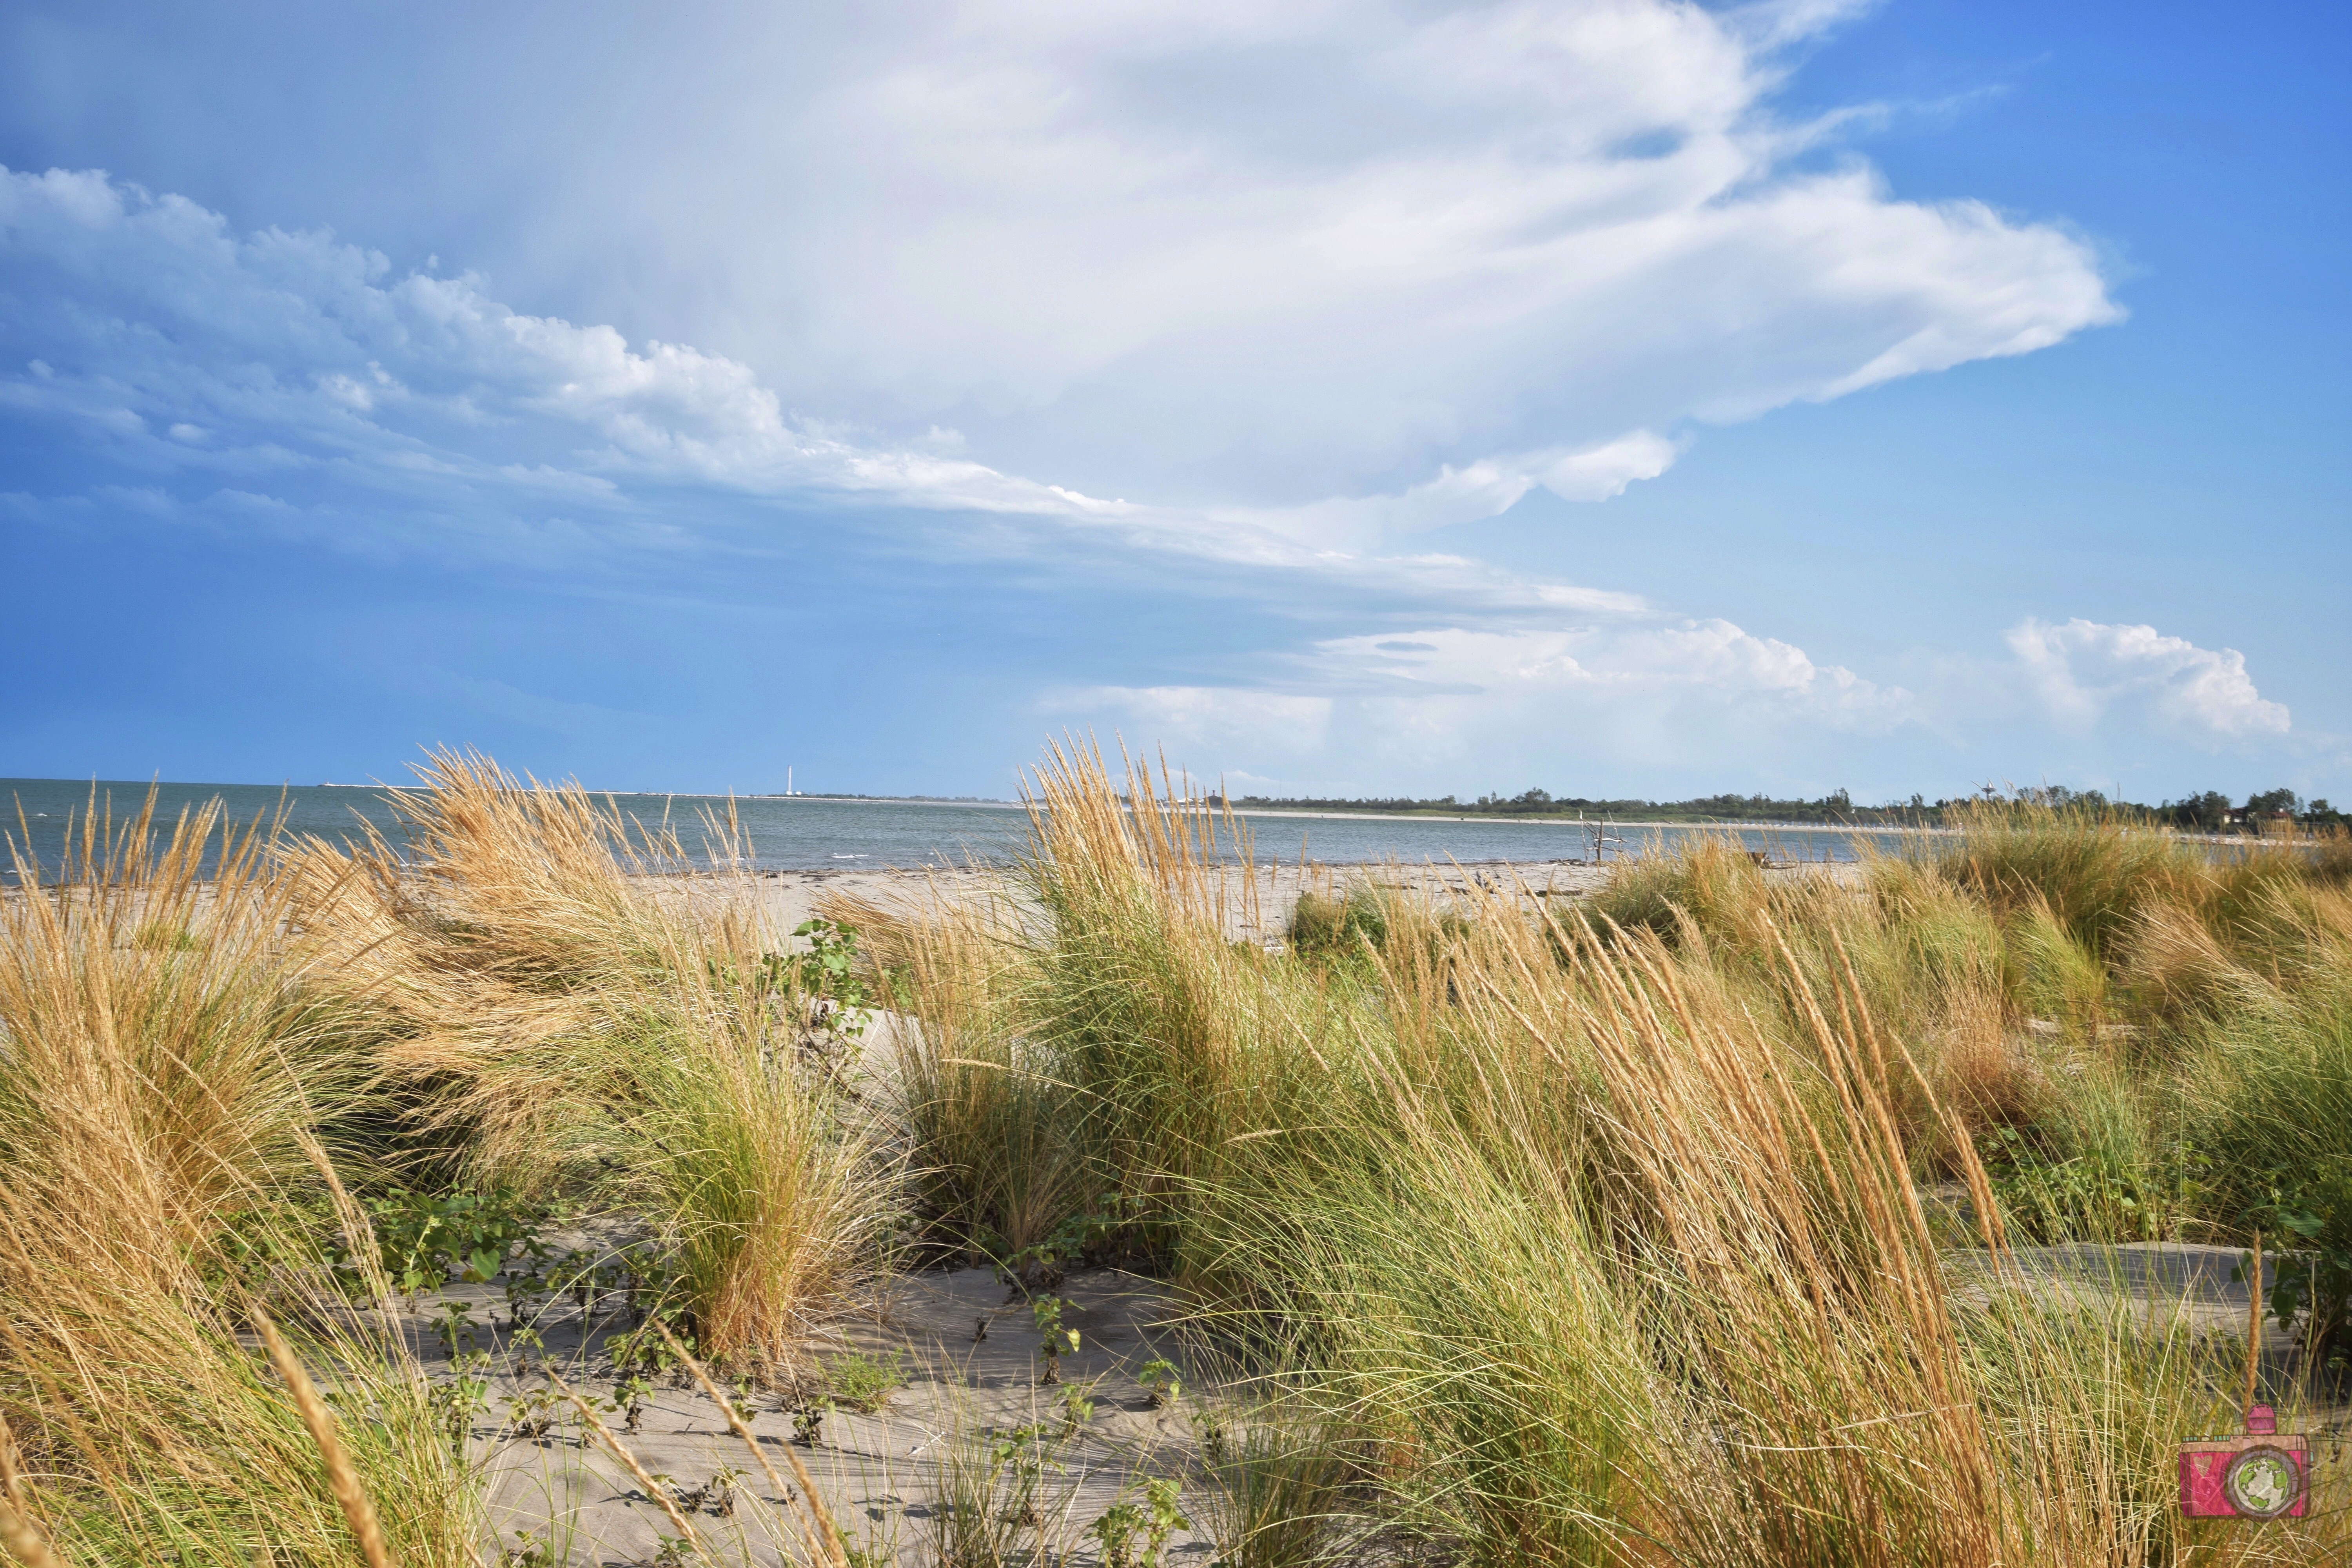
pixel 1715 1217
pixel 2207 811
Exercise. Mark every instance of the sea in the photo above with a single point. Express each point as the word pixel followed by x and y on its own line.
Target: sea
pixel 814 833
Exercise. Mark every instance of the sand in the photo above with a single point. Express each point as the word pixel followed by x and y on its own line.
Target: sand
pixel 877 1472
pixel 1258 907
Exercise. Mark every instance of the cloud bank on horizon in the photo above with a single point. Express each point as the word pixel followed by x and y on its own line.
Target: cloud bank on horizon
pixel 1073 293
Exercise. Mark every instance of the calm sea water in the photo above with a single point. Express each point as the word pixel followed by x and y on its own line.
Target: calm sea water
pixel 799 832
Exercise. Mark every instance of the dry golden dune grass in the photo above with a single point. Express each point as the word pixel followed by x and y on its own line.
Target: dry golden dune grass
pixel 1720 1217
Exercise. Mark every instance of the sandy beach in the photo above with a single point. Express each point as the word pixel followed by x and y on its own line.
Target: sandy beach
pixel 1258 907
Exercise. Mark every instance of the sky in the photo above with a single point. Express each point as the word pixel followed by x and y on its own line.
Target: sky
pixel 1622 397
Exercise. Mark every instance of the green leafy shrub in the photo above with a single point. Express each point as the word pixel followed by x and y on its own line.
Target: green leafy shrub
pixel 828 974
pixel 2090 1196
pixel 2311 1274
pixel 425 1238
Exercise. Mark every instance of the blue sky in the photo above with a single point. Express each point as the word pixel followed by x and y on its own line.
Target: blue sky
pixel 1625 397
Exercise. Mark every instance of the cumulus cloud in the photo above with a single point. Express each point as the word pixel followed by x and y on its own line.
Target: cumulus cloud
pixel 1267 255
pixel 2086 673
pixel 1335 273
pixel 1504 707
pixel 1215 254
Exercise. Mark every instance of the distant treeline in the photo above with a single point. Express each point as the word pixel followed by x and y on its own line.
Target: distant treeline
pixel 2209 811
pixel 908 799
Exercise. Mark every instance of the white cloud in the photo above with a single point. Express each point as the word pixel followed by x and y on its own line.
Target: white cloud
pixel 1602 472
pixel 280 347
pixel 1522 303
pixel 2086 673
pixel 1258 256
pixel 1428 703
pixel 1484 489
pixel 1338 269
pixel 307 360
pixel 1535 675
pixel 277 350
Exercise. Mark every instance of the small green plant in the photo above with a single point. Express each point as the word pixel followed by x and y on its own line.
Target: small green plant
pixel 828 974
pixel 456 1404
pixel 533 1415
pixel 715 1497
pixel 646 1279
pixel 530 1551
pixel 454 1328
pixel 1162 1519
pixel 864 1383
pixel 1053 1342
pixel 808 1422
pixel 1086 1241
pixel 1215 1446
pixel 425 1238
pixel 521 1344
pixel 630 1396
pixel 1155 1520
pixel 644 1349
pixel 1076 1409
pixel 530 1282
pixel 578 1275
pixel 673 1552
pixel 719 1492
pixel 1032 1269
pixel 1019 1458
pixel 1117 1528
pixel 1161 1381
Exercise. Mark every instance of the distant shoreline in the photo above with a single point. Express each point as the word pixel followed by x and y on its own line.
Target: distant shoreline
pixel 1588 823
pixel 1216 806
